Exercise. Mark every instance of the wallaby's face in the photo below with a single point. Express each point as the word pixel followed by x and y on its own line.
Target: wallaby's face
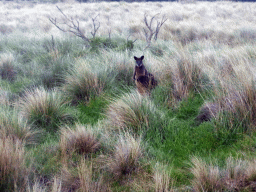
pixel 139 61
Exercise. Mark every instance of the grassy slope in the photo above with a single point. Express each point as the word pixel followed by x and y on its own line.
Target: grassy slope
pixel 173 140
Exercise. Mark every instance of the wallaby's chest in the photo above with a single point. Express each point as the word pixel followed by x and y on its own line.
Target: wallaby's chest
pixel 139 71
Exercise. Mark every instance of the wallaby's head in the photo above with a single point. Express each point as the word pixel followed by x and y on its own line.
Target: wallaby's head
pixel 139 60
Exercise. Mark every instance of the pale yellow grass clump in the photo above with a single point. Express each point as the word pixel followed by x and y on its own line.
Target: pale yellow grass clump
pixel 162 178
pixel 13 171
pixel 81 139
pixel 83 177
pixel 232 75
pixel 126 156
pixel 236 175
pixel 55 186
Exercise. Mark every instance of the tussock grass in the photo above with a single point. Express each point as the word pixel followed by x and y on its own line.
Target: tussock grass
pixel 80 139
pixel 13 172
pixel 236 175
pixel 83 177
pixel 134 111
pixel 46 109
pixel 14 126
pixel 161 178
pixel 126 156
pixel 87 183
pixel 81 83
pixel 206 178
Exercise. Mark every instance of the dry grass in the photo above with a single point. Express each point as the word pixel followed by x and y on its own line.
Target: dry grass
pixel 126 156
pixel 234 94
pixel 83 177
pixel 15 127
pixel 80 139
pixel 206 178
pixel 186 22
pixel 162 179
pixel 237 175
pixel 200 44
pixel 86 174
pixel 13 172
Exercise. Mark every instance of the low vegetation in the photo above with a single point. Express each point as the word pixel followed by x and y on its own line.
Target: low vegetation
pixel 71 118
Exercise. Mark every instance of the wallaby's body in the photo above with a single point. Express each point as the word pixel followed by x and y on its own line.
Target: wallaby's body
pixel 144 80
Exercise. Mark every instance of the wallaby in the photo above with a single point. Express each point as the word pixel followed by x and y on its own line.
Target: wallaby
pixel 144 80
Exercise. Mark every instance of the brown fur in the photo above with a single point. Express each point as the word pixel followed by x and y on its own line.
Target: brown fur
pixel 144 80
pixel 208 111
pixel 211 109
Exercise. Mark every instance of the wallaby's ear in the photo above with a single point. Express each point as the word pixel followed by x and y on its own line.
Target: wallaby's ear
pixel 142 57
pixel 135 58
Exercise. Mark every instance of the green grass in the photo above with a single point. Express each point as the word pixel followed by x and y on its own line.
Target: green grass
pixel 179 138
pixel 44 159
pixel 92 111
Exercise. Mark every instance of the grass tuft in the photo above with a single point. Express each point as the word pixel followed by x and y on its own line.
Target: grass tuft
pixel 237 175
pixel 81 83
pixel 14 126
pixel 206 178
pixel 132 110
pixel 80 139
pixel 161 178
pixel 46 109
pixel 126 156
pixel 13 172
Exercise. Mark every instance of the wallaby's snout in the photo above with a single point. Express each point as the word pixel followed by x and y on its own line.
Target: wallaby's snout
pixel 139 60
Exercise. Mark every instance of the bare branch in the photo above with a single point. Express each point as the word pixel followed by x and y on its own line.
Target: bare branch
pixel 149 31
pixel 95 27
pixel 72 24
pixel 159 25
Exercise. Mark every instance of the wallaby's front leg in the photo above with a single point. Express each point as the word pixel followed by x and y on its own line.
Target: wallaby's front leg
pixel 134 75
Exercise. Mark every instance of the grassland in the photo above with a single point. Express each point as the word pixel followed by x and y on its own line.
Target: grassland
pixel 72 120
